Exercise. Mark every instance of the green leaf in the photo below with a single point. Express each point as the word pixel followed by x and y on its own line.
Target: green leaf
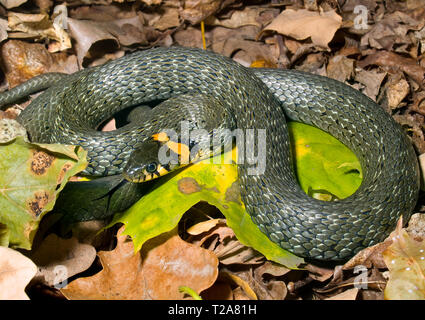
pixel 31 177
pixel 161 209
pixel 324 166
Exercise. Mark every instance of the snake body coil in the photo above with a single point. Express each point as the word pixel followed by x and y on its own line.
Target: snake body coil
pixel 69 111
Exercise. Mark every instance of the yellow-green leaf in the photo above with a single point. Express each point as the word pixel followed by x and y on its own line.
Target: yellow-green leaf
pixel 324 165
pixel 31 177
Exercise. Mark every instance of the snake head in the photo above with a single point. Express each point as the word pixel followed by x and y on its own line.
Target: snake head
pixel 155 158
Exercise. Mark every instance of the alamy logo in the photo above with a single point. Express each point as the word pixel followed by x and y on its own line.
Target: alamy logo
pixel 250 143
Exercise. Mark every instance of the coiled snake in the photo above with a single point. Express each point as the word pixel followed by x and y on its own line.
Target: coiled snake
pixel 70 110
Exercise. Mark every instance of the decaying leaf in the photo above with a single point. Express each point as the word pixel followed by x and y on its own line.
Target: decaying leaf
pixel 10 129
pixel 32 176
pixel 164 264
pixel 16 271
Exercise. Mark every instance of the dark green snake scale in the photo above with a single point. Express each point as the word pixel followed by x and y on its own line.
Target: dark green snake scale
pixel 72 106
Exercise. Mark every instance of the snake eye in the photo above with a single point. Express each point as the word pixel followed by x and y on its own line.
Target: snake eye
pixel 151 167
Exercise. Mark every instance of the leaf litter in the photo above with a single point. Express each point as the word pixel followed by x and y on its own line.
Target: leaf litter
pixel 385 60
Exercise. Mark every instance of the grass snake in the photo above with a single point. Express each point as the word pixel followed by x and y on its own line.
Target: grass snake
pixel 71 108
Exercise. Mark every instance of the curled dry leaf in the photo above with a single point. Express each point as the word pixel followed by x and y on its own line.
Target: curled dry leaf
pixel 86 35
pixel 16 271
pixel 303 24
pixel 39 25
pixel 59 259
pixel 165 263
pixel 91 36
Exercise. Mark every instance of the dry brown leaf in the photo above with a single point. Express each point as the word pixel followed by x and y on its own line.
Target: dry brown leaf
pixel 303 24
pixel 397 89
pixel 59 259
pixel 239 18
pixel 372 81
pixel 39 25
pixel 390 31
pixel 390 60
pixel 195 11
pixel 240 44
pixel 233 252
pixel 270 268
pixel 318 273
pixel 16 271
pixel 168 262
pixel 170 18
pixel 369 256
pixel 22 61
pixel 189 37
pixel 86 35
pixel 340 68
